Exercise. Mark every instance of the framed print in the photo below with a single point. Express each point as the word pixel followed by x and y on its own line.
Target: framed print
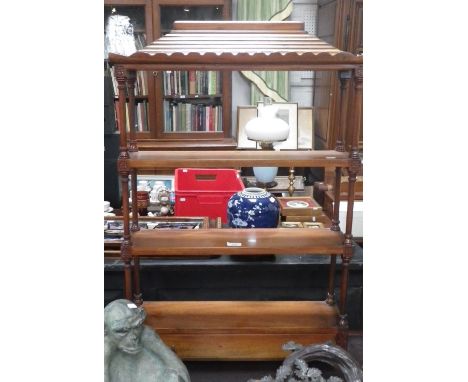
pixel 288 113
pixel 312 225
pixel 151 180
pixel 244 115
pixel 305 128
pixel 114 226
pixel 291 225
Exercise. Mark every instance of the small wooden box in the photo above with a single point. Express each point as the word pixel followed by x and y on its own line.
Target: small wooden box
pixel 299 206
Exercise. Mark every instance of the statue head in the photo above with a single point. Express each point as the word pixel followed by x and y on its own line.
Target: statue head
pixel 123 324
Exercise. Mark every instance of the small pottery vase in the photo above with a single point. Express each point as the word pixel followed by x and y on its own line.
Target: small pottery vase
pixel 253 208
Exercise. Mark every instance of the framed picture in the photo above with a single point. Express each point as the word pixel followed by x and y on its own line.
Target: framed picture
pixel 167 180
pixel 305 128
pixel 288 113
pixel 312 225
pixel 244 115
pixel 113 225
pixel 291 225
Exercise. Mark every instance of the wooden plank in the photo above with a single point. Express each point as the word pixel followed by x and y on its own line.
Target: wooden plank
pixel 238 158
pixel 232 241
pixel 183 317
pixel 239 347
pixel 233 60
pixel 239 25
pixel 240 330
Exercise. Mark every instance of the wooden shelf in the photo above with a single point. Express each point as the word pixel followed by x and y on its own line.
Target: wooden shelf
pixel 191 97
pixel 238 158
pixel 240 330
pixel 188 144
pixel 258 241
pixel 138 98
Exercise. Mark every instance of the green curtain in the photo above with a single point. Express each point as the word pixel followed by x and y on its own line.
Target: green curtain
pixel 266 83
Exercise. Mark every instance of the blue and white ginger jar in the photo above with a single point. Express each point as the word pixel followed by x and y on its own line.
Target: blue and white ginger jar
pixel 253 208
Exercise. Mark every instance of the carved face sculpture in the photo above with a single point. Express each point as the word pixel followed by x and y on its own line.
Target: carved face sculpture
pixel 123 323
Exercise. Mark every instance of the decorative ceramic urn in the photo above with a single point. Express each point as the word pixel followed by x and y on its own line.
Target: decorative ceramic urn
pixel 253 208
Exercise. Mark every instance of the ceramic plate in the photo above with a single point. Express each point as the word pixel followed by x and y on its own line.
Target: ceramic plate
pixel 297 204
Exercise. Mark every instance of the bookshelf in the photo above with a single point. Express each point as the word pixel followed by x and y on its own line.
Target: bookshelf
pixel 175 109
pixel 243 330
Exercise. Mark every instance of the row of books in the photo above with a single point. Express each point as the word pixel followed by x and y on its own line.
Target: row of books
pixel 141 116
pixel 141 83
pixel 192 82
pixel 188 117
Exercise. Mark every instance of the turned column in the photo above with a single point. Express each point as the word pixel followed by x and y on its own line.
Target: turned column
pixel 121 77
pixel 125 246
pixel 291 178
pixel 124 172
pixel 353 170
pixel 131 79
pixel 135 227
pixel 342 121
pixel 344 77
pixel 334 227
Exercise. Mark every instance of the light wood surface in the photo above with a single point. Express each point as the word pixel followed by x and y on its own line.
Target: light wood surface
pixel 229 44
pixel 259 241
pixel 238 158
pixel 240 330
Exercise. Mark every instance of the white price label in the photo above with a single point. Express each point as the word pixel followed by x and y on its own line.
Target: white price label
pixel 230 244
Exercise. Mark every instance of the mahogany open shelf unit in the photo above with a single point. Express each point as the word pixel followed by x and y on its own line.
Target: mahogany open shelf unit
pixel 241 330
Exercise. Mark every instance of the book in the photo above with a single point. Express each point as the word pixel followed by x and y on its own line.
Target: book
pixel 192 82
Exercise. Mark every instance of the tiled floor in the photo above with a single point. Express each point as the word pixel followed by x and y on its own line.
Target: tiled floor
pixel 243 371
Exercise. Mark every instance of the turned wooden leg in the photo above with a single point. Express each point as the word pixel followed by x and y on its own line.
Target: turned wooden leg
pixel 125 246
pixel 135 227
pixel 131 79
pixel 336 203
pixel 331 281
pixel 136 281
pixel 291 178
pixel 127 259
pixel 342 338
